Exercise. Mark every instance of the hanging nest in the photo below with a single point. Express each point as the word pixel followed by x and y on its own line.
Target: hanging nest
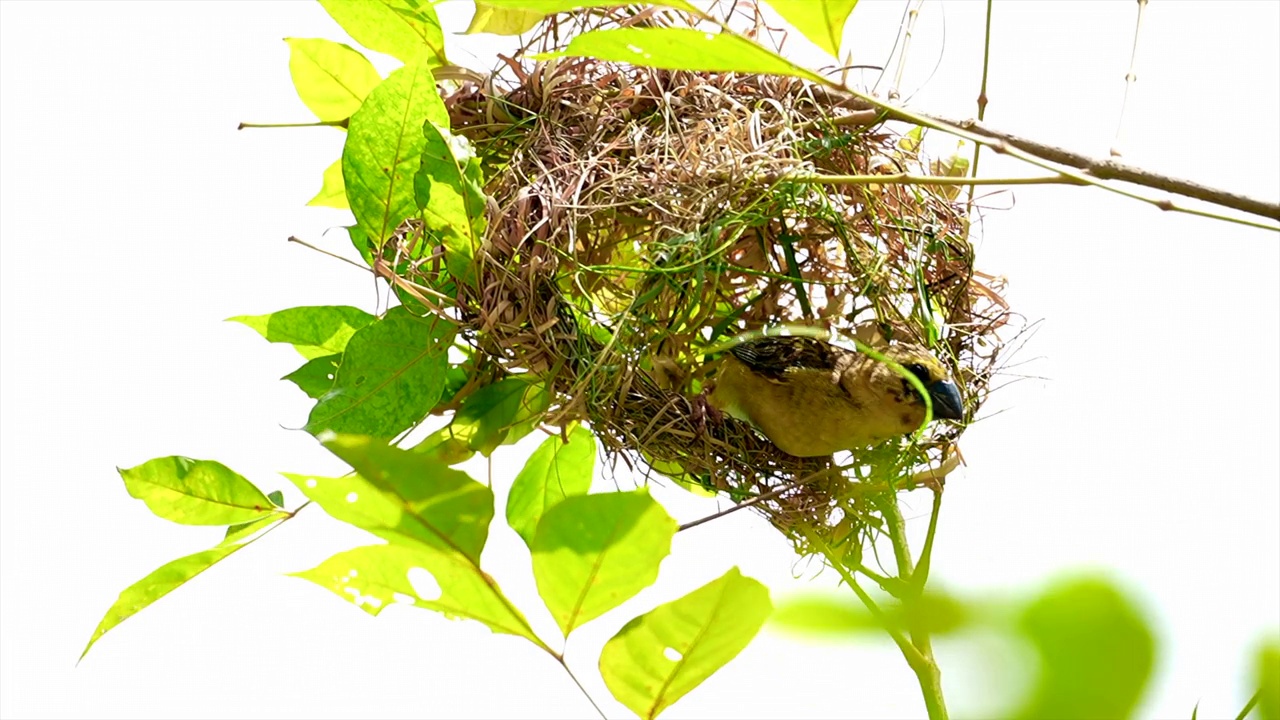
pixel 638 217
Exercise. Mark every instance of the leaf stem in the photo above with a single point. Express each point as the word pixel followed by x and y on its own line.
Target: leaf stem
pixel 587 695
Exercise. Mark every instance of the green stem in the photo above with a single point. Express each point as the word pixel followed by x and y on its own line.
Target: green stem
pixel 927 672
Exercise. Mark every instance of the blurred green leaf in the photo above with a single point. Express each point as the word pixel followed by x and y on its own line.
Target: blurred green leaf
pixel 333 192
pixel 682 49
pixel 384 149
pixel 1268 679
pixel 822 21
pixel 196 492
pixel 391 375
pixel 332 79
pixel 449 189
pixel 825 615
pixel 314 331
pixel 170 576
pixel 831 615
pixel 657 658
pixel 375 576
pixel 1096 651
pixel 407 30
pixel 556 470
pixel 591 553
pixel 315 377
pixel 403 497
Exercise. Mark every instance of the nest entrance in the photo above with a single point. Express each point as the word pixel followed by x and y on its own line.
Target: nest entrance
pixel 640 216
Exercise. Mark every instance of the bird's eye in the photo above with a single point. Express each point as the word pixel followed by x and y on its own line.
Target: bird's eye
pixel 919 371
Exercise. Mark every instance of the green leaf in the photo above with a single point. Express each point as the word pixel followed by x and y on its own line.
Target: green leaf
pixel 315 377
pixel 332 79
pixel 1268 679
pixel 375 576
pixel 499 412
pixel 444 447
pixel 553 472
pixel 391 375
pixel 449 189
pixel 384 149
pixel 404 29
pixel 1096 651
pixel 513 17
pixel 333 192
pixel 591 553
pixel 314 331
pixel 403 497
pixel 657 658
pixel 168 577
pixel 359 238
pixel 682 49
pixel 824 615
pixel 196 492
pixel 822 21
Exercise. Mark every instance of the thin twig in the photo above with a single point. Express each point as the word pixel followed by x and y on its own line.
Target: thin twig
pixel 1130 78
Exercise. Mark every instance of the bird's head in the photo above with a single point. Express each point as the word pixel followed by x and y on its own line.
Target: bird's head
pixel 898 393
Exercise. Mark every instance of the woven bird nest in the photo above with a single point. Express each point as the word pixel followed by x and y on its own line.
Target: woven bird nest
pixel 639 217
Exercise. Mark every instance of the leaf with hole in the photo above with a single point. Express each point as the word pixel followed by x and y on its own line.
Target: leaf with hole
pixel 657 658
pixel 375 576
pixel 403 497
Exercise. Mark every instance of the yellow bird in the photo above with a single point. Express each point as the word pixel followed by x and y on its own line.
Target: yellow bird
pixel 811 398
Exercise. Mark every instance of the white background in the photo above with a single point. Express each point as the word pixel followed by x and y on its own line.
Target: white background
pixel 135 218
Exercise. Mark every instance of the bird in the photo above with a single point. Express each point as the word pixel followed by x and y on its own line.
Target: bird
pixel 812 398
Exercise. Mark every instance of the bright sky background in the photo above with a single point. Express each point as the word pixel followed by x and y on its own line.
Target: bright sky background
pixel 136 218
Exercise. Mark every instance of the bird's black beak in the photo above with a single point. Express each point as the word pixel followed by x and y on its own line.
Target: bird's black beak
pixel 947 404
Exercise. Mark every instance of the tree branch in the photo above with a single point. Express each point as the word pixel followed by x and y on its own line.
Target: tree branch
pixel 1109 169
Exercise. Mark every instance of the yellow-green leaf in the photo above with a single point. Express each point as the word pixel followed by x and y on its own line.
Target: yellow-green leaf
pixel 449 189
pixel 553 472
pixel 384 149
pixel 513 17
pixel 332 79
pixel 403 497
pixel 196 492
pixel 682 49
pixel 391 375
pixel 333 192
pixel 822 21
pixel 657 658
pixel 170 576
pixel 408 30
pixel 314 331
pixel 591 553
pixel 375 576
